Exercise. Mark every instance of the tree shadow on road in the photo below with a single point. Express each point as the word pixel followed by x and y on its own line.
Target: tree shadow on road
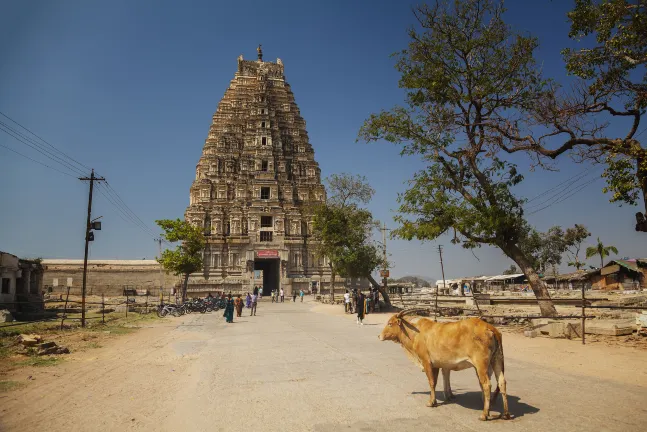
pixel 474 400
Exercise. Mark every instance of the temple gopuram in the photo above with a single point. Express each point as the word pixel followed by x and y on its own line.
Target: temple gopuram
pixel 253 186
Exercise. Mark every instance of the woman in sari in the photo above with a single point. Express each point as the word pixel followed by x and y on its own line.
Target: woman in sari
pixel 238 303
pixel 229 310
pixel 248 301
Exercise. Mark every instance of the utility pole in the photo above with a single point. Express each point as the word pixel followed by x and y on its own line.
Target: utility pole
pixel 442 269
pixel 384 264
pixel 89 236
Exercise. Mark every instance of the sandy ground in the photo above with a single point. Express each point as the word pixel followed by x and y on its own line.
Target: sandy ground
pixel 301 367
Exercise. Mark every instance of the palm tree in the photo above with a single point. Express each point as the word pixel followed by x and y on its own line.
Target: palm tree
pixel 601 250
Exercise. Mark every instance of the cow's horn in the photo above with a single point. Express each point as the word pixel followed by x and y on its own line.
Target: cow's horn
pixel 410 311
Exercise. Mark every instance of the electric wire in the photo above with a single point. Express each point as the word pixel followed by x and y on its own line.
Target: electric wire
pixel 47 142
pixel 38 162
pixel 29 143
pixel 43 147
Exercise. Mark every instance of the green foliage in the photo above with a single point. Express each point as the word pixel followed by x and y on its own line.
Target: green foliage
pixel 615 62
pixel 512 270
pixel 465 73
pixel 612 61
pixel 547 249
pixel 343 230
pixel 346 189
pixel 464 68
pixel 187 257
pixel 601 250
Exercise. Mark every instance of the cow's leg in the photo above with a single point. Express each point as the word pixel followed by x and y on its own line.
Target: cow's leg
pixel 432 376
pixel 501 386
pixel 447 388
pixel 482 369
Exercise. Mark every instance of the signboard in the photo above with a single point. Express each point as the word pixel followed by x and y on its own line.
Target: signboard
pixel 610 269
pixel 267 253
pixel 384 273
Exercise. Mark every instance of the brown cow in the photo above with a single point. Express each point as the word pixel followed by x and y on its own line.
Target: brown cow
pixel 452 347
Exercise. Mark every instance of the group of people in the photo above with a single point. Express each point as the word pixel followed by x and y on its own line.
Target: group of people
pixel 363 304
pixel 251 302
pixel 237 304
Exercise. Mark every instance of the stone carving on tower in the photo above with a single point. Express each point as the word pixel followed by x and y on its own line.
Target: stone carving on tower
pixel 254 182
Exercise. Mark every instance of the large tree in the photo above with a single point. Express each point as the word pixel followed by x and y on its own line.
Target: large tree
pixel 186 258
pixel 610 62
pixel 463 68
pixel 343 230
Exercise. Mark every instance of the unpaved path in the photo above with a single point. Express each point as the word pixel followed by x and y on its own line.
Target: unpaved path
pixel 299 367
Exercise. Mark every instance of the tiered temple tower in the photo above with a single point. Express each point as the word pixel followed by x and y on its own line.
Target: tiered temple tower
pixel 253 184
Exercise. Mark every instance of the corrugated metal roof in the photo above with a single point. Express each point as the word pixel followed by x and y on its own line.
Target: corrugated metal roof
pixel 630 264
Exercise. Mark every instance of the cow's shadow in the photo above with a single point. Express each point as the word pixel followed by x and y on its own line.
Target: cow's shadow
pixel 474 400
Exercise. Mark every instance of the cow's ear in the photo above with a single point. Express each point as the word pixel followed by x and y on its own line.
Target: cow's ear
pixel 399 320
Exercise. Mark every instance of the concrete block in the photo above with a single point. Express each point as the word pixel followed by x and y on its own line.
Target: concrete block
pixel 609 328
pixel 531 333
pixel 566 330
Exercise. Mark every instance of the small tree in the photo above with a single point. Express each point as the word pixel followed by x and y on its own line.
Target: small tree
pixel 512 270
pixel 601 250
pixel 343 230
pixel 574 237
pixel 187 257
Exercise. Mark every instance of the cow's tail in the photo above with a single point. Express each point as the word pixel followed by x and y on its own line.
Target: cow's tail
pixel 497 362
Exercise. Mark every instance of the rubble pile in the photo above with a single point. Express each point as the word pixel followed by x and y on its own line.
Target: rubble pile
pixel 34 341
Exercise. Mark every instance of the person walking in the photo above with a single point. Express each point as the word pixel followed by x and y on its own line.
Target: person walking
pixel 260 292
pixel 294 296
pixel 302 294
pixel 229 310
pixel 248 301
pixel 346 302
pixel 273 294
pixel 361 305
pixel 238 303
pixel 254 303
pixel 282 296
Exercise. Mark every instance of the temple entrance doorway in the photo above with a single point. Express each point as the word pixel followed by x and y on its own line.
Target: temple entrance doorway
pixel 271 273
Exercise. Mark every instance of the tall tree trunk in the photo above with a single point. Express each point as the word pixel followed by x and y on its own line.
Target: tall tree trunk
pixel 385 295
pixel 601 260
pixel 642 181
pixel 184 286
pixel 332 283
pixel 541 292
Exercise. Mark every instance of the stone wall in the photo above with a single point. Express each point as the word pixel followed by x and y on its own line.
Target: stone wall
pixel 108 277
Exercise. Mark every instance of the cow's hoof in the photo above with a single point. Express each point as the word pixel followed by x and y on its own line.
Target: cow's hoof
pixel 452 396
pixel 433 404
pixel 483 417
pixel 506 416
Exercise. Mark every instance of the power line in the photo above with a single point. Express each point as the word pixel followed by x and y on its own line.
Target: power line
pixel 123 214
pixel 29 143
pixel 46 142
pixel 38 162
pixel 42 146
pixel 111 189
pixel 567 196
pixel 565 190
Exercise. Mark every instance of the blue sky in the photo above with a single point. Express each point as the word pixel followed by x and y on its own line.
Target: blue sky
pixel 129 88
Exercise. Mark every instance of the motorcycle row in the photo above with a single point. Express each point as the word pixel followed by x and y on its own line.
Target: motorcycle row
pixel 194 305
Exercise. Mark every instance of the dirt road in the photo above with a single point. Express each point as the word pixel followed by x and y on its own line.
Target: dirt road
pixel 300 367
